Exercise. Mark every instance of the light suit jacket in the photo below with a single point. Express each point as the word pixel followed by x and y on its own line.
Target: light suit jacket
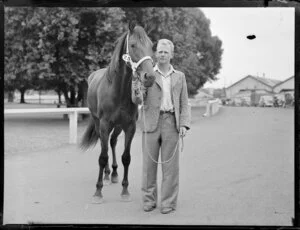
pixel 152 102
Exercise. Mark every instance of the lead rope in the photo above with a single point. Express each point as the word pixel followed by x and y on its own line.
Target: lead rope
pixel 126 57
pixel 145 142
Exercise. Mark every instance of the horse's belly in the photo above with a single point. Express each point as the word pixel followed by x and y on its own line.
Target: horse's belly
pixel 127 116
pixel 122 117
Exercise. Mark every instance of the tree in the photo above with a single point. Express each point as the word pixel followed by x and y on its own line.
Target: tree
pixel 21 38
pixel 57 41
pixel 57 48
pixel 197 53
pixel 78 41
pixel 100 29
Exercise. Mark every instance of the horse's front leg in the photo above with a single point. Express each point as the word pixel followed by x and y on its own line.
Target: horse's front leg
pixel 106 180
pixel 129 133
pixel 104 130
pixel 113 143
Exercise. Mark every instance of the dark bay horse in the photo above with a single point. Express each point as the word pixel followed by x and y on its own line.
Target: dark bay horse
pixel 109 101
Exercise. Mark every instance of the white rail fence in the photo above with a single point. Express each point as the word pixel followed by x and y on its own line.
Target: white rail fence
pixel 212 107
pixel 72 112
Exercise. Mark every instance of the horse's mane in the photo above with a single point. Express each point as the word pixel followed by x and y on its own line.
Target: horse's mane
pixel 117 55
pixel 140 35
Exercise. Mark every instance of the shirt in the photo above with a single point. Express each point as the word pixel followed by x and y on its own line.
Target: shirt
pixel 166 101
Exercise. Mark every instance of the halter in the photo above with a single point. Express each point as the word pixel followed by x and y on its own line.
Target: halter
pixel 126 57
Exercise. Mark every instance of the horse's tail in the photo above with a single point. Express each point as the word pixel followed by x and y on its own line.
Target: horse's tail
pixel 90 136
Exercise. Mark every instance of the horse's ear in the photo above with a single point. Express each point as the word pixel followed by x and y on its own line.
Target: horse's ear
pixel 154 47
pixel 131 25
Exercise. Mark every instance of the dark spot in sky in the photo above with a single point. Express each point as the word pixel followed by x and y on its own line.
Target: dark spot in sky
pixel 251 37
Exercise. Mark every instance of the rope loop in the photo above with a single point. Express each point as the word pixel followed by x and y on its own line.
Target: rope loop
pixel 145 141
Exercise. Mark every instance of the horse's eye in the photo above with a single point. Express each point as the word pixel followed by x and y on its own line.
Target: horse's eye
pixel 132 45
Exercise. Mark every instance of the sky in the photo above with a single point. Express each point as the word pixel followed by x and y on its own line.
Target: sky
pixel 271 54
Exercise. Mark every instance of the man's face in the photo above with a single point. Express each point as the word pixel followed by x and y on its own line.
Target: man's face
pixel 163 54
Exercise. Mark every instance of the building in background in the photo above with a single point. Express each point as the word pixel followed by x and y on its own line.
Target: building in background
pixel 287 85
pixel 251 88
pixel 251 83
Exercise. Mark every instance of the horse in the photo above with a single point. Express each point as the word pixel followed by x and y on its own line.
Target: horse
pixel 111 107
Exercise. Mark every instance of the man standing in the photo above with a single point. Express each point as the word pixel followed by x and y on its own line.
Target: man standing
pixel 165 117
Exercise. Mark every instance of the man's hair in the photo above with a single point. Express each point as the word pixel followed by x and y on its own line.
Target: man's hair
pixel 166 42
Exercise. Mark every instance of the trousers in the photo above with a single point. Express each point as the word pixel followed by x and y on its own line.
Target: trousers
pixel 164 139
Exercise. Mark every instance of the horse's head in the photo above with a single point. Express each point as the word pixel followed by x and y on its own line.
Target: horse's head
pixel 139 54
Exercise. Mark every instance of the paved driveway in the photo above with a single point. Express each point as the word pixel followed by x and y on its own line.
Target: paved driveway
pixel 237 168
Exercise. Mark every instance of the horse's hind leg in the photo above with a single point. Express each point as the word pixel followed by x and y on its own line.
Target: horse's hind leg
pixel 104 131
pixel 126 158
pixel 113 143
pixel 106 169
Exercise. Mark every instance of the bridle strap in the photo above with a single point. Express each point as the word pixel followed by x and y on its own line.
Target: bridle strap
pixel 135 65
pixel 126 57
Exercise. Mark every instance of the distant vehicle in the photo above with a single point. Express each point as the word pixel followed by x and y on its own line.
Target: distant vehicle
pixel 237 101
pixel 230 102
pixel 279 100
pixel 266 101
pixel 225 101
pixel 289 99
pixel 245 101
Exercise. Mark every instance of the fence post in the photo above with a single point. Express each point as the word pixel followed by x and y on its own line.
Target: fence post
pixel 73 116
pixel 210 108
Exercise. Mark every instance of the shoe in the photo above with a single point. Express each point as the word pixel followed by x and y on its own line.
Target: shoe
pixel 167 210
pixel 149 208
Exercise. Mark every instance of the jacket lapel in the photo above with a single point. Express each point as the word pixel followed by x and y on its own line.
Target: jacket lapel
pixel 174 80
pixel 158 80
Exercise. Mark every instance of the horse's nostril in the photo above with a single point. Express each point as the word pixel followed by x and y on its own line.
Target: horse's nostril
pixel 149 76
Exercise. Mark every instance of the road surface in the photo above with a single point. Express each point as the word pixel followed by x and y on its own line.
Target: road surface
pixel 237 168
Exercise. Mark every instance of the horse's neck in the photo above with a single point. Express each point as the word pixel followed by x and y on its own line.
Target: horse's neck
pixel 122 81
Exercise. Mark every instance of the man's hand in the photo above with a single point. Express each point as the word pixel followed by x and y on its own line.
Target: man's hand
pixel 148 80
pixel 182 132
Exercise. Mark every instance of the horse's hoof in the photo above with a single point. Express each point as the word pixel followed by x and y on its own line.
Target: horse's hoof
pixel 126 198
pixel 106 182
pixel 97 200
pixel 114 180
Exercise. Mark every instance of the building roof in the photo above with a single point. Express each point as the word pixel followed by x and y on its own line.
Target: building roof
pixel 266 81
pixel 283 81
